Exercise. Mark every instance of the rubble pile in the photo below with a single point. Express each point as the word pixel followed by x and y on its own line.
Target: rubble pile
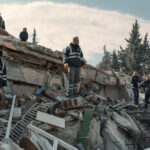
pixel 103 117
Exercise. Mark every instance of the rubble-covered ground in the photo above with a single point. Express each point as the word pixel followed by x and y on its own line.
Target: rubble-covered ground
pixel 103 117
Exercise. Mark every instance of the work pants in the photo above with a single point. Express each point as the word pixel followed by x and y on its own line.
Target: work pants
pixel 74 77
pixel 136 95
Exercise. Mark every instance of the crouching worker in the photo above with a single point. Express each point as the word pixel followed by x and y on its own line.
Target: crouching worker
pixel 73 61
pixel 3 76
pixel 146 88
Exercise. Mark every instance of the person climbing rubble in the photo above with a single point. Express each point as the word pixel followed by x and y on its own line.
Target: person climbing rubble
pixel 146 88
pixel 3 76
pixel 135 80
pixel 73 61
pixel 24 35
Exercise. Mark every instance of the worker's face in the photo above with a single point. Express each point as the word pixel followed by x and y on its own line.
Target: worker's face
pixel 25 29
pixel 76 41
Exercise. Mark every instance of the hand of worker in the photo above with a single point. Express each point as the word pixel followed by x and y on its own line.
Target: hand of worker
pixel 4 90
pixel 84 67
pixel 66 66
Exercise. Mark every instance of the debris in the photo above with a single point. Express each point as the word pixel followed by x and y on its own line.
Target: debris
pixel 56 141
pixel 51 119
pixel 95 140
pixel 110 121
pixel 17 112
pixel 39 91
pixel 10 118
pixel 9 145
pixel 127 122
pixel 74 103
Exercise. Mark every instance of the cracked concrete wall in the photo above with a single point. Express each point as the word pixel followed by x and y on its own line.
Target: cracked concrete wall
pixel 110 91
pixel 26 80
pixel 17 72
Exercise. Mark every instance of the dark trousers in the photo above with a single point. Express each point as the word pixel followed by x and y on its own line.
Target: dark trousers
pixel 74 77
pixel 136 95
pixel 147 96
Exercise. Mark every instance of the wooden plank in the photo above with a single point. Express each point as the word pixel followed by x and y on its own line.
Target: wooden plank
pixel 50 119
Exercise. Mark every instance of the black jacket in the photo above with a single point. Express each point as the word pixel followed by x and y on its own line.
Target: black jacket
pixel 135 80
pixel 73 56
pixel 3 26
pixel 146 86
pixel 23 36
pixel 3 74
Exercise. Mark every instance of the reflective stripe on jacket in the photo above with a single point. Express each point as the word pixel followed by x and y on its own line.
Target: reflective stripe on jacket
pixel 73 56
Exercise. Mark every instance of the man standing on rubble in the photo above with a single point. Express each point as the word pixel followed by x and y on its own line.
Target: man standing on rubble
pixel 146 88
pixel 3 75
pixel 135 80
pixel 24 35
pixel 73 61
pixel 2 23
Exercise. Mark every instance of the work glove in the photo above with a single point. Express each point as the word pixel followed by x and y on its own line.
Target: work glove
pixel 22 43
pixel 66 66
pixel 84 67
pixel 4 90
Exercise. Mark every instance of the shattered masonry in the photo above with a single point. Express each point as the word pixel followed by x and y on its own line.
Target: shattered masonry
pixel 104 118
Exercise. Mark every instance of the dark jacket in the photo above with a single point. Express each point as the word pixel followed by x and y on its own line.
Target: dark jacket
pixel 3 26
pixel 73 56
pixel 3 74
pixel 135 80
pixel 145 85
pixel 23 36
pixel 1 21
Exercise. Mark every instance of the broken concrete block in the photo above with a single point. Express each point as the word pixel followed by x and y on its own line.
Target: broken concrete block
pixel 9 145
pixel 135 128
pixel 74 103
pixel 113 138
pixel 95 140
pixel 51 119
pixel 127 123
pixel 17 112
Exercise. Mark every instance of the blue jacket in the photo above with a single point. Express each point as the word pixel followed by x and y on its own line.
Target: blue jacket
pixel 73 56
pixel 3 74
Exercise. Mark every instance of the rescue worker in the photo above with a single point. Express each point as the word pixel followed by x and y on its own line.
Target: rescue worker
pixel 135 80
pixel 3 26
pixel 3 75
pixel 2 22
pixel 73 61
pixel 24 35
pixel 146 88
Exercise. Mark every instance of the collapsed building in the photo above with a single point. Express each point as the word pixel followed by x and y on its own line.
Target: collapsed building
pixel 103 118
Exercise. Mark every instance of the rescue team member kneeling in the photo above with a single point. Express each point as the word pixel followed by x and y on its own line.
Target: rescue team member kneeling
pixel 146 88
pixel 3 75
pixel 73 61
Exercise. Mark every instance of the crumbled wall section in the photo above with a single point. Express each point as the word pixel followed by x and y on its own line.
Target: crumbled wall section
pixel 29 64
pixel 17 72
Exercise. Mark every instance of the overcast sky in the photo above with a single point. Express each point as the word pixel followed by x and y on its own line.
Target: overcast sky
pixel 96 22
